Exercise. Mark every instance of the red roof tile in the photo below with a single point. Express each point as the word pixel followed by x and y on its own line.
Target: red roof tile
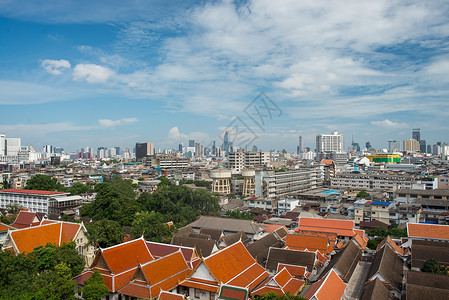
pixel 27 219
pixel 392 244
pixel 34 192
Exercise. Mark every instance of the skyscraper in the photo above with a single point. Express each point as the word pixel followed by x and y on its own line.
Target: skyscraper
pixel 144 150
pixel 191 143
pixel 416 134
pixel 300 145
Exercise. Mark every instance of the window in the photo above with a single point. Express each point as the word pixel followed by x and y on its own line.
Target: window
pixel 197 293
pixel 212 296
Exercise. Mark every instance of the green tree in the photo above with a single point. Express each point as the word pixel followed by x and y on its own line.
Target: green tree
pixel 6 184
pixel 378 231
pixel 236 214
pixel 55 284
pixel 44 183
pixel 363 195
pixel 79 188
pixel 274 296
pixel 430 266
pixel 95 288
pixel 152 226
pixel 105 233
pixel 164 181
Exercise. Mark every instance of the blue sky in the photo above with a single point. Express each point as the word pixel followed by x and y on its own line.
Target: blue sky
pixel 113 73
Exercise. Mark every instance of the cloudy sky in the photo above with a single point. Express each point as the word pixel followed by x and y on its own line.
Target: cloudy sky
pixel 113 73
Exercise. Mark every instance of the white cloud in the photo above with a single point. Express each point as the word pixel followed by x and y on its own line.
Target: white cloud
pixel 110 123
pixel 55 67
pixel 389 124
pixel 92 73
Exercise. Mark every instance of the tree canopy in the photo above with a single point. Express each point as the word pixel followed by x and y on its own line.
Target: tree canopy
pixel 45 273
pixel 363 194
pixel 95 288
pixel 44 183
pixel 105 233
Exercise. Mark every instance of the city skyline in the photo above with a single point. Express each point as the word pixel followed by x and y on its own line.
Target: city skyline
pixel 157 72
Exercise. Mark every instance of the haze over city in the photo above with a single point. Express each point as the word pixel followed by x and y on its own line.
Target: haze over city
pixel 113 73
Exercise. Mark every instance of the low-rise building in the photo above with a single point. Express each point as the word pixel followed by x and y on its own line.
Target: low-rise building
pixel 384 182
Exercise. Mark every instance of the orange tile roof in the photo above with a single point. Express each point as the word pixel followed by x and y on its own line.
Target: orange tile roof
pixel 282 277
pixel 158 272
pixel 282 283
pixel 311 243
pixel 229 262
pixel 126 256
pixel 340 227
pixel 361 242
pixel 195 283
pixel 250 277
pixel 6 227
pixel 330 287
pixel 136 290
pixel 273 227
pixel 298 271
pixel 27 239
pixel 392 244
pixel 266 289
pixel 331 235
pixel 431 231
pixel 122 279
pixel 170 296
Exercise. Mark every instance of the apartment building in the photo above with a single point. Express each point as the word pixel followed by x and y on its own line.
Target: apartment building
pixel 240 160
pixel 168 161
pixel 276 185
pixel 372 181
pixel 365 210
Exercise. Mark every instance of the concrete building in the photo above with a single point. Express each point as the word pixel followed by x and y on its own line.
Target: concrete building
pixel 411 145
pixel 330 142
pixel 240 160
pixel 221 181
pixel 144 150
pixel 249 184
pixel 371 181
pixel 277 185
pixel 366 210
pixel 384 158
pixel 394 146
pixel 169 161
pixel 39 201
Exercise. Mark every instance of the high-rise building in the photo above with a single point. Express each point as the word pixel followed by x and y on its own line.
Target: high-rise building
pixel 330 142
pixel 429 148
pixel 191 143
pixel 144 150
pixel 416 134
pixel 2 144
pixel 181 148
pixel 422 146
pixel 300 148
pixel 117 150
pixel 411 145
pixel 394 146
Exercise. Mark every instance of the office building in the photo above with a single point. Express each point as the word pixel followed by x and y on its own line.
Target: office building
pixel 300 148
pixel 191 143
pixel 144 150
pixel 422 146
pixel 416 134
